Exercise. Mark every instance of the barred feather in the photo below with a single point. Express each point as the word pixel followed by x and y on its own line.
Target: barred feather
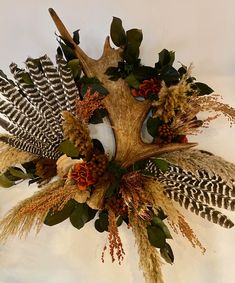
pixel 18 118
pixel 34 97
pixel 68 83
pixel 34 109
pixel 197 192
pixel 21 103
pixel 44 88
pixel 33 146
pixel 53 77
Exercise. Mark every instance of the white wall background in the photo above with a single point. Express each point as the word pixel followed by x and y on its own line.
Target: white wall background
pixel 200 31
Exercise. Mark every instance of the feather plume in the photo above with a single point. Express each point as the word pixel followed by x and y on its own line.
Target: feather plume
pixel 34 106
pixel 69 85
pixel 197 192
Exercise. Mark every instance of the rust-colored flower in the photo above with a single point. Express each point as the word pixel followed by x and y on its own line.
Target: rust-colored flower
pixel 147 87
pixel 82 175
pixel 86 107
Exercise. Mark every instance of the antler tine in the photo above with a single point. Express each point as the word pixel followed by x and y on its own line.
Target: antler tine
pixel 86 61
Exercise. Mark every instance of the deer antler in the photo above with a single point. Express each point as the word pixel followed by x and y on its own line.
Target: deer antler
pixel 125 112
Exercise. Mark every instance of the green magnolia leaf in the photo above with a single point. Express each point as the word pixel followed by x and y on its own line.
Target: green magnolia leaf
pixel 169 74
pixel 144 73
pixel 152 126
pixel 68 51
pixel 27 79
pixel 162 164
pixel 81 215
pixel 5 182
pixel 76 37
pixel 132 81
pixel 166 57
pixel 30 168
pixel 203 89
pixel 98 145
pixel 167 253
pixel 134 39
pixel 75 67
pixel 97 116
pixel 3 75
pixel 156 221
pixel 117 32
pixel 102 223
pixel 119 221
pixel 98 226
pixel 68 148
pixel 156 236
pixel 56 217
pixel 18 173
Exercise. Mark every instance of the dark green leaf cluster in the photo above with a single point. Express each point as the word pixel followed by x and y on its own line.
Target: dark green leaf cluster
pixel 68 148
pixel 102 223
pixel 158 233
pixel 14 174
pixel 117 172
pixel 78 213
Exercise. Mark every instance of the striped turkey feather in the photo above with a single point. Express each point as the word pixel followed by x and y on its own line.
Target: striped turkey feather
pixel 33 109
pixel 197 192
pixel 35 98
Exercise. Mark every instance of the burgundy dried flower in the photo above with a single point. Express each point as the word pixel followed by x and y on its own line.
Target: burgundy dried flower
pixel 147 87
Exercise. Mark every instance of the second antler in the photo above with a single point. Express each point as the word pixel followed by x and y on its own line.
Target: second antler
pixel 125 112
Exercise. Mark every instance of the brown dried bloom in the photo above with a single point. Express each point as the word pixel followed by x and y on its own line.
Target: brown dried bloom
pixel 46 168
pixel 86 107
pixel 211 104
pixel 171 100
pixel 115 243
pixel 134 195
pixel 78 133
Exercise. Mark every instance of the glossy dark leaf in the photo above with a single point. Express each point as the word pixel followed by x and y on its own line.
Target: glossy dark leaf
pixel 156 221
pixel 98 226
pixel 169 74
pixel 134 39
pixel 98 145
pixel 5 182
pixel 76 37
pixel 117 32
pixel 18 173
pixel 68 148
pixel 98 115
pixel 3 75
pixel 156 236
pixel 102 223
pixel 167 253
pixel 132 81
pixel 54 218
pixel 203 89
pixel 152 126
pixel 29 167
pixel 144 73
pixel 68 51
pixel 166 57
pixel 75 67
pixel 81 215
pixel 26 78
pixel 162 164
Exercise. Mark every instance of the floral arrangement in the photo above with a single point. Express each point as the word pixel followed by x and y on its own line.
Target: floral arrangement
pixel 49 109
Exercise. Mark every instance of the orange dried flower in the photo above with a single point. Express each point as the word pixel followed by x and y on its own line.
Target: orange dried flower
pixel 82 175
pixel 86 107
pixel 147 87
